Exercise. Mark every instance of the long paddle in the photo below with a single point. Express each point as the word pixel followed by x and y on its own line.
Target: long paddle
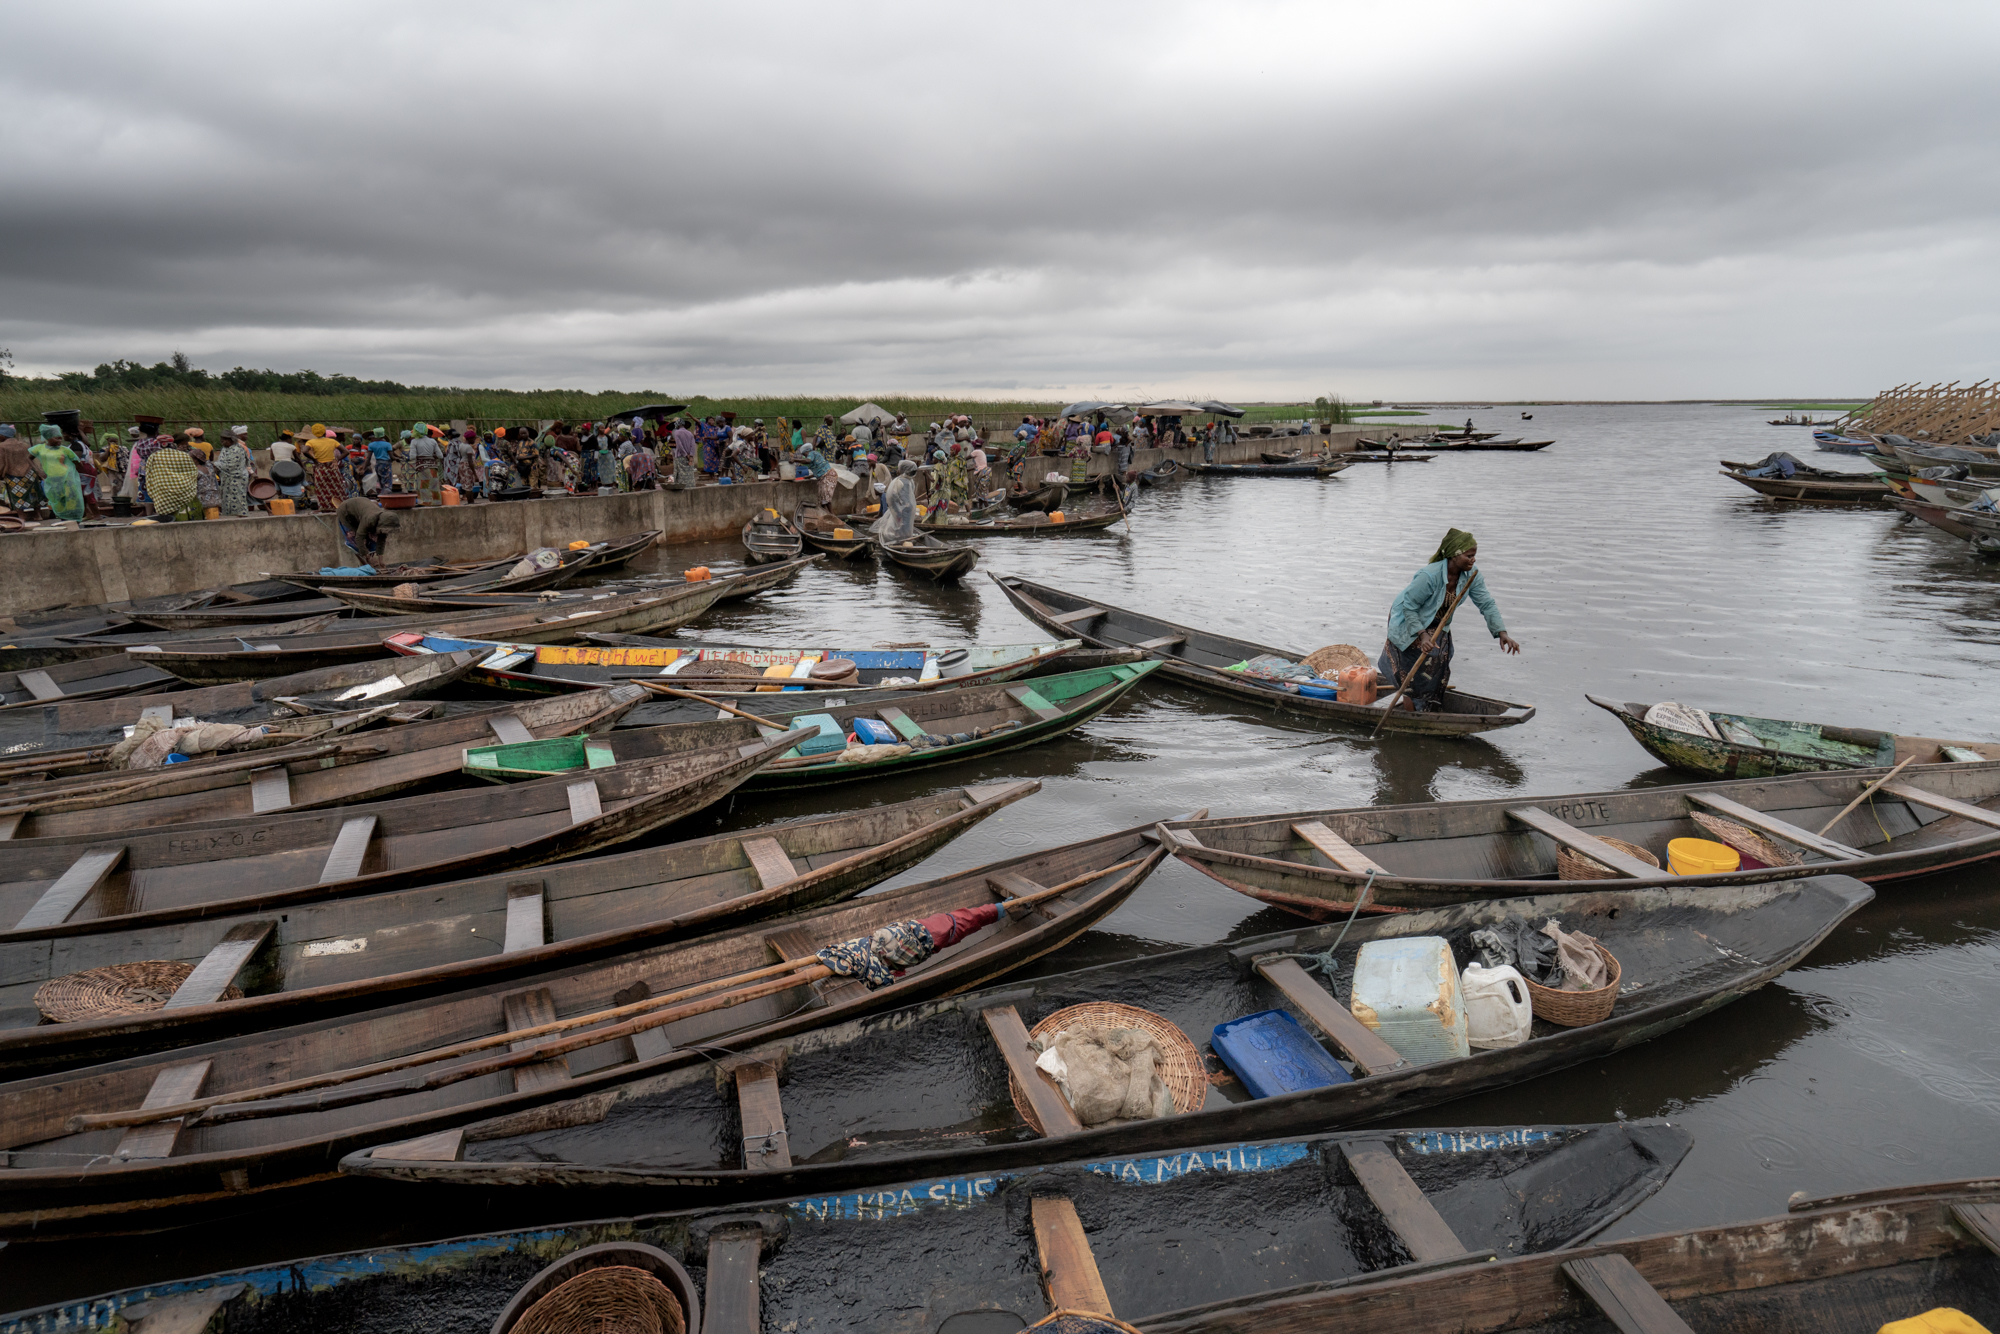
pixel 660 689
pixel 1865 793
pixel 1436 639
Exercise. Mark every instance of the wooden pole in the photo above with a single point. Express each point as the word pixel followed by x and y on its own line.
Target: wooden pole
pixel 1865 793
pixel 1425 655
pixel 661 689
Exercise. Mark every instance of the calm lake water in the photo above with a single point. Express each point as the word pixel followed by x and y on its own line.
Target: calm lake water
pixel 1628 568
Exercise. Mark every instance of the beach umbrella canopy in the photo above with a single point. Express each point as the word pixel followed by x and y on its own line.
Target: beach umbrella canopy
pixel 1219 409
pixel 868 412
pixel 1089 408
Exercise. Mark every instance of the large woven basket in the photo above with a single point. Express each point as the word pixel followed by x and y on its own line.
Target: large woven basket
pixel 1746 840
pixel 1574 1009
pixel 1575 866
pixel 1328 661
pixel 613 1288
pixel 1180 1066
pixel 711 668
pixel 119 990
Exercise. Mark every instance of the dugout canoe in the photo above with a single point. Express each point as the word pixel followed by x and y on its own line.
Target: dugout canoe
pixel 256 614
pixel 73 1182
pixel 1422 856
pixel 773 540
pixel 944 562
pixel 1222 1222
pixel 1386 456
pixel 730 669
pixel 205 661
pixel 1503 446
pixel 320 959
pixel 1282 456
pixel 89 883
pixel 1753 747
pixel 362 768
pixel 1031 524
pixel 475 593
pixel 1818 487
pixel 1164 473
pixel 93 723
pixel 1938 516
pixel 406 574
pixel 97 677
pixel 1198 658
pixel 936 1095
pixel 1854 1264
pixel 938 726
pixel 1320 467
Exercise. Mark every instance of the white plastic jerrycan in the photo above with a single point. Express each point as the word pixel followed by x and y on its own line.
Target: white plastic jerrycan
pixel 1497 1010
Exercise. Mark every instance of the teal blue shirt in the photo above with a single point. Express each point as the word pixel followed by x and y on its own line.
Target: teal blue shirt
pixel 1424 597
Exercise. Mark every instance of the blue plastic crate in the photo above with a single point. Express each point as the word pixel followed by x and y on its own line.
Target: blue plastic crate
pixel 874 732
pixel 1272 1054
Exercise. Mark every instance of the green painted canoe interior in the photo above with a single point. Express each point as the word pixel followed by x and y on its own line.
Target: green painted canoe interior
pixel 1804 739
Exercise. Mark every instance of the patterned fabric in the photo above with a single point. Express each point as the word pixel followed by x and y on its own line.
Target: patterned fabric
pixel 564 468
pixel 61 486
pixel 1426 693
pixel 827 484
pixel 141 454
pixel 878 959
pixel 329 485
pixel 427 480
pixel 232 470
pixel 207 487
pixel 459 466
pixel 172 479
pixel 20 493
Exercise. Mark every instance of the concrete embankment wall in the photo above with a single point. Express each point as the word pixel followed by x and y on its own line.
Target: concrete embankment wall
pixel 48 569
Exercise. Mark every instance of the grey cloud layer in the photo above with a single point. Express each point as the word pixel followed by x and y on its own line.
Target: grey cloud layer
pixel 1556 199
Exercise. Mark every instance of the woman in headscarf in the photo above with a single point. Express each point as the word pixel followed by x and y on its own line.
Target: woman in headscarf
pixel 110 467
pixel 426 470
pixel 207 489
pixel 685 472
pixel 233 469
pixel 565 458
pixel 20 490
pixel 461 463
pixel 1419 623
pixel 148 442
pixel 173 480
pixel 328 482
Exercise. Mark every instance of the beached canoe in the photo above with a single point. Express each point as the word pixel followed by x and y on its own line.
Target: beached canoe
pixel 1164 473
pixel 61 1179
pixel 1201 659
pixel 951 1085
pixel 471 571
pixel 1854 1264
pixel 932 728
pixel 1319 467
pixel 298 778
pixel 731 669
pixel 1031 524
pixel 594 558
pixel 1807 484
pixel 1222 1222
pixel 253 615
pixel 943 561
pixel 97 677
pixel 88 883
pixel 1745 746
pixel 320 959
pixel 1433 854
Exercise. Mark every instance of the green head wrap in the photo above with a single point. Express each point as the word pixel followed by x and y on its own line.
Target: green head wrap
pixel 107 441
pixel 420 429
pixel 1455 541
pixel 378 433
pixel 52 433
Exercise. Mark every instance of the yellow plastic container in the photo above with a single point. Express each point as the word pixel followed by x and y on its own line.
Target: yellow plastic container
pixel 278 505
pixel 578 546
pixel 777 671
pixel 1056 516
pixel 450 494
pixel 843 534
pixel 1940 1320
pixel 211 513
pixel 1699 856
pixel 768 516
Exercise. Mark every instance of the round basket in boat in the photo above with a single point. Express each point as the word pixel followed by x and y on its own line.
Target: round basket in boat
pixel 615 1288
pixel 1576 866
pixel 1746 840
pixel 1574 1009
pixel 710 669
pixel 1083 1322
pixel 834 669
pixel 1181 1068
pixel 1327 662
pixel 109 993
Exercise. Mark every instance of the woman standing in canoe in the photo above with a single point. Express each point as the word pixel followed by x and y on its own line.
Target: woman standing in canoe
pixel 1416 622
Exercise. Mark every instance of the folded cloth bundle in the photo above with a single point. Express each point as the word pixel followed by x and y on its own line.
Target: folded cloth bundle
pixel 880 958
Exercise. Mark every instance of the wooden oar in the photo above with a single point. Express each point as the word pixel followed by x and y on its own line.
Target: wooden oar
pixel 661 689
pixel 653 1011
pixel 1866 792
pixel 1436 639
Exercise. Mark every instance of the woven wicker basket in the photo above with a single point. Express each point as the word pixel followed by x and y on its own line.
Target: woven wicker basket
pixel 1328 661
pixel 1746 841
pixel 109 993
pixel 1574 1009
pixel 1180 1066
pixel 711 668
pixel 610 1299
pixel 1575 866
pixel 1083 1322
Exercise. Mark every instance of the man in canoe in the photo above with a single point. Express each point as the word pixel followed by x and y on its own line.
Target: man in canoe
pixel 1417 622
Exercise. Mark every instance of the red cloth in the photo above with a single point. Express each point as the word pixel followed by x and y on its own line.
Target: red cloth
pixel 948 928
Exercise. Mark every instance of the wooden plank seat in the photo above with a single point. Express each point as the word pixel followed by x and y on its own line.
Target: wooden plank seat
pixel 1080 614
pixel 1069 1270
pixel 1981 1220
pixel 1020 887
pixel 730 1300
pixel 350 849
pixel 158 1139
pixel 1771 824
pixel 1363 1045
pixel 1917 796
pixel 1164 641
pixel 1011 1036
pixel 1623 1295
pixel 444 1146
pixel 10 823
pixel 41 685
pixel 219 967
pixel 791 942
pixel 270 789
pixel 530 1009
pixel 1337 849
pixel 765 1147
pixel 1576 840
pixel 72 887
pixel 896 718
pixel 1411 1216
pixel 584 803
pixel 526 926
pixel 510 730
pixel 1033 701
pixel 769 859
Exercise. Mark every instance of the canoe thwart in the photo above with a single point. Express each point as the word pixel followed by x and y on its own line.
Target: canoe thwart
pixel 1164 641
pixel 525 923
pixel 1917 796
pixel 1363 1045
pixel 584 803
pixel 158 1139
pixel 730 1300
pixel 350 848
pixel 1623 1295
pixel 219 967
pixel 1569 836
pixel 765 1148
pixel 270 789
pixel 509 728
pixel 1033 701
pixel 1337 849
pixel 531 1009
pixel 769 860
pixel 1080 614
pixel 1069 1270
pixel 1412 1217
pixel 1011 1036
pixel 71 888
pixel 1770 824
pixel 1980 1219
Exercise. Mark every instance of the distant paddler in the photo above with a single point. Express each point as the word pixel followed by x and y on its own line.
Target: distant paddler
pixel 1416 622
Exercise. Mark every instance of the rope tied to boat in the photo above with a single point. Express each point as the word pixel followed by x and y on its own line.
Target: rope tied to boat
pixel 1324 962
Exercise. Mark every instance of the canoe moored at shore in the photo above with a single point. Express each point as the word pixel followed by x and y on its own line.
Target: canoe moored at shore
pixel 931 728
pixel 1032 524
pixel 936 1094
pixel 733 670
pixel 1847 1265
pixel 769 536
pixel 1810 485
pixel 348 769
pixel 472 571
pixel 1325 466
pixel 1938 516
pixel 64 1180
pixel 1750 747
pixel 74 886
pixel 1423 856
pixel 1201 659
pixel 942 561
pixel 253 615
pixel 1220 1222
pixel 320 959
pixel 96 677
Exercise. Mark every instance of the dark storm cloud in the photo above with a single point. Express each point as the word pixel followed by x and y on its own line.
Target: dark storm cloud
pixel 1538 199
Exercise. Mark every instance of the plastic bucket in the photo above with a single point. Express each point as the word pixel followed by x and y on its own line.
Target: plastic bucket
pixel 1699 856
pixel 954 664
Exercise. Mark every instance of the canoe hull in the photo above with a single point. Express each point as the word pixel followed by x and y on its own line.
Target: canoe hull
pixel 1814 491
pixel 1710 758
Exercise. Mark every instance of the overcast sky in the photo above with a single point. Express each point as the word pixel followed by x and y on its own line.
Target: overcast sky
pixel 1451 200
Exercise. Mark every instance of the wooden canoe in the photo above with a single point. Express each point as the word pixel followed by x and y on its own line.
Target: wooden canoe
pixel 359 768
pixel 936 1096
pixel 256 614
pixel 96 677
pixel 1031 524
pixel 546 669
pixel 767 542
pixel 1166 472
pixel 76 886
pixel 1386 456
pixel 1847 1265
pixel 1422 856
pixel 1820 487
pixel 952 725
pixel 942 561
pixel 1498 446
pixel 1938 516
pixel 408 574
pixel 315 960
pixel 206 661
pixel 101 722
pixel 1198 658
pixel 59 1181
pixel 1225 1221
pixel 1282 456
pixel 1768 747
pixel 474 593
pixel 1321 467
